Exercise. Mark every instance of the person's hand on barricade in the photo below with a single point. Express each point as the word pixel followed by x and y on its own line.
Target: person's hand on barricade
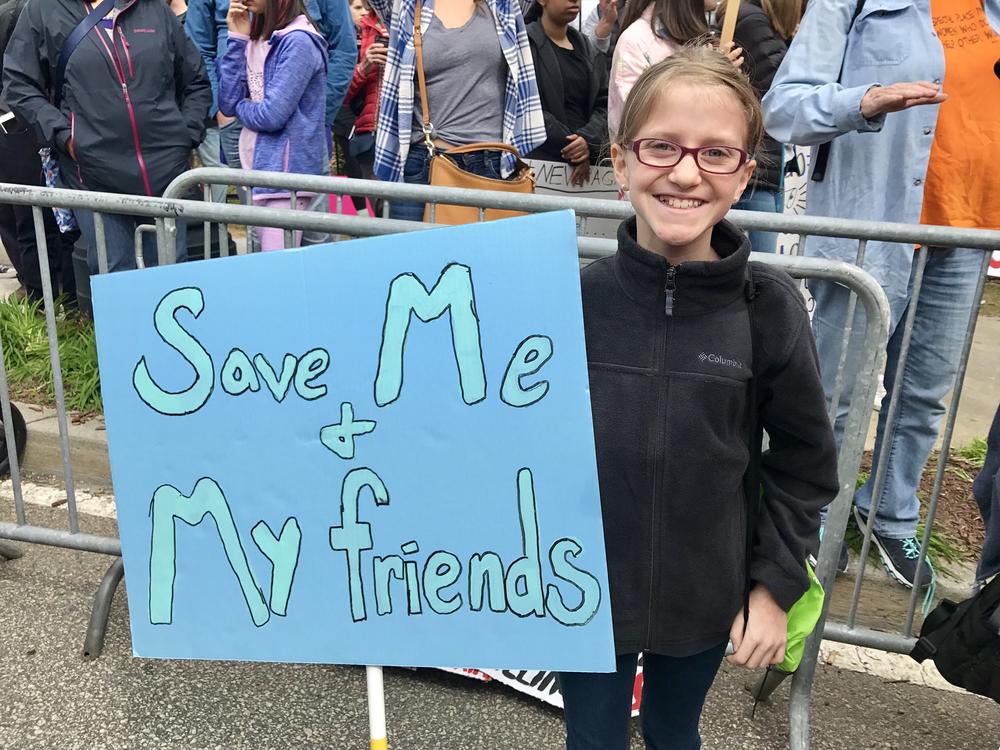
pixel 375 55
pixel 577 152
pixel 880 100
pixel 581 174
pixel 238 18
pixel 763 641
pixel 609 15
pixel 734 53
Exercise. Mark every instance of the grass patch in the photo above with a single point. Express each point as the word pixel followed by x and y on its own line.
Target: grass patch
pixel 26 356
pixel 974 453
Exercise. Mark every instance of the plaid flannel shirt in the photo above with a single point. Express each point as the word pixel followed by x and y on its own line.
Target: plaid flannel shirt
pixel 523 123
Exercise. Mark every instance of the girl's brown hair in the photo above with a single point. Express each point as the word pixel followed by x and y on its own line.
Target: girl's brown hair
pixel 784 15
pixel 683 20
pixel 278 14
pixel 698 64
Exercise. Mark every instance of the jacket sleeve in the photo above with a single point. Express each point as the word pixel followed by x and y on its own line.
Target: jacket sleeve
pixel 292 73
pixel 799 469
pixel 193 88
pixel 629 63
pixel 590 30
pixel 233 87
pixel 199 23
pixel 27 79
pixel 763 46
pixel 806 104
pixel 595 132
pixel 343 54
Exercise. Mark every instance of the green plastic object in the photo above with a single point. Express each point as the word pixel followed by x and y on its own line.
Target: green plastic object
pixel 802 619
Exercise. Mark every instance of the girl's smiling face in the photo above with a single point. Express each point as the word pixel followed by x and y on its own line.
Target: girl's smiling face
pixel 677 207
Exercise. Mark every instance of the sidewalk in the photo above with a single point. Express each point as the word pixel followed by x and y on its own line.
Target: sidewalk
pixel 52 698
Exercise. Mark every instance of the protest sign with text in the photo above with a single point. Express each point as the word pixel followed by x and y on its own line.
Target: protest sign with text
pixel 372 452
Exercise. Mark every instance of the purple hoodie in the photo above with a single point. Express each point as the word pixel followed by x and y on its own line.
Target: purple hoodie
pixel 288 123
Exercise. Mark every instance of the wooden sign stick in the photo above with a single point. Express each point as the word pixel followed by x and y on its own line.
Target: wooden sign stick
pixel 729 22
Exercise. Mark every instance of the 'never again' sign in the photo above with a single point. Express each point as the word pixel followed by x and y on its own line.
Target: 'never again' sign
pixel 371 452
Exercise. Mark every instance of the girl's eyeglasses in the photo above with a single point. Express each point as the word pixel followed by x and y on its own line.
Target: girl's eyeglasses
pixel 656 152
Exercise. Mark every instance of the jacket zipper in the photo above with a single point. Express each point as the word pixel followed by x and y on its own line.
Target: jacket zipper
pixel 128 55
pixel 72 139
pixel 668 288
pixel 120 71
pixel 659 442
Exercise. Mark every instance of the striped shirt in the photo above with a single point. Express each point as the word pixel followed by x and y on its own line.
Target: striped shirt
pixel 523 122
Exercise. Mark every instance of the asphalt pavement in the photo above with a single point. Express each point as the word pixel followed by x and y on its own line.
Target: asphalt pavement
pixel 50 697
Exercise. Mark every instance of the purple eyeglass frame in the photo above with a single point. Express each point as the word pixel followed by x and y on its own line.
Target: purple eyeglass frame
pixel 637 144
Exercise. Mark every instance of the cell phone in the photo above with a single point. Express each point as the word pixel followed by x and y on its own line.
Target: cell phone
pixel 382 39
pixel 8 123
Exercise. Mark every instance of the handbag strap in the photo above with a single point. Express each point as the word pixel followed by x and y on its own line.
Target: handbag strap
pixel 418 45
pixel 755 437
pixel 73 40
pixel 485 147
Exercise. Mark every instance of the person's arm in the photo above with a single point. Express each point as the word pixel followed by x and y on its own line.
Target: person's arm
pixel 343 54
pixel 293 70
pixel 806 105
pixel 799 470
pixel 590 30
pixel 199 23
pixel 595 132
pixel 629 63
pixel 27 79
pixel 192 83
pixel 233 87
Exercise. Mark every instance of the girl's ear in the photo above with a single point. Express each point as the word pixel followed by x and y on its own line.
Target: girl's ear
pixel 747 173
pixel 621 167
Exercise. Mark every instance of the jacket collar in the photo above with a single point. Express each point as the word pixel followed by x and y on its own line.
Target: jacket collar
pixel 699 286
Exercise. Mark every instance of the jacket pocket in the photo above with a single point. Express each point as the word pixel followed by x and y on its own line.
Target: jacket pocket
pixel 884 28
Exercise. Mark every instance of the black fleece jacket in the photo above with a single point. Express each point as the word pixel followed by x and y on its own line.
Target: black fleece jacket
pixel 552 93
pixel 134 105
pixel 669 395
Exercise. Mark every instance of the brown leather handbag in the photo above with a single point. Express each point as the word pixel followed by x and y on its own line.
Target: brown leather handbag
pixel 446 173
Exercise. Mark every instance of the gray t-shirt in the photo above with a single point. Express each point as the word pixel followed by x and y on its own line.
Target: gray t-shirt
pixel 466 79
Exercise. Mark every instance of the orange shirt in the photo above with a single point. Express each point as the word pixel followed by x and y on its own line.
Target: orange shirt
pixel 963 177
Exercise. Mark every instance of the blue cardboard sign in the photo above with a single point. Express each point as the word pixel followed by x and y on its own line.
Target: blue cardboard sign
pixel 371 452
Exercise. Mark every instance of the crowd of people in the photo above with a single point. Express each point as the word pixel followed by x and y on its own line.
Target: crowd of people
pixel 901 112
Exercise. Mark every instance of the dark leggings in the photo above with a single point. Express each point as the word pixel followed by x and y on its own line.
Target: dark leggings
pixel 598 706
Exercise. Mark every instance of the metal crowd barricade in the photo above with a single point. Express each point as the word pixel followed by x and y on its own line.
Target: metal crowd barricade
pixel 164 212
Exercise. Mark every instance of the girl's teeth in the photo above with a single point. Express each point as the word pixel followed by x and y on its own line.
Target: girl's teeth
pixel 675 203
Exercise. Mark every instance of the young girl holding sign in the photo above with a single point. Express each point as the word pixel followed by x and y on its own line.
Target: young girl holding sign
pixel 669 322
pixel 273 77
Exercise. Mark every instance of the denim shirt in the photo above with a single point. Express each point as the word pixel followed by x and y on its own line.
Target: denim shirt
pixel 877 167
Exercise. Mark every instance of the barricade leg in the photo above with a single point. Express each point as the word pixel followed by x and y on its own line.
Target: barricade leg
pixel 98 625
pixel 9 552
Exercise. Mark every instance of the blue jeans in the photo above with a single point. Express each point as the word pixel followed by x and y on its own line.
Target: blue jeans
pixel 943 310
pixel 210 153
pixel 769 201
pixel 417 171
pixel 598 706
pixel 229 141
pixel 119 236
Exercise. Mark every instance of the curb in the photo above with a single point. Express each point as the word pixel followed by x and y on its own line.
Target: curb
pixel 88 447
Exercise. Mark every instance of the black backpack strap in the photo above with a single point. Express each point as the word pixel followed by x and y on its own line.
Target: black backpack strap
pixel 755 437
pixel 72 41
pixel 822 154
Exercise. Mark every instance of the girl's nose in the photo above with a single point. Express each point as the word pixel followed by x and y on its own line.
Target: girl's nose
pixel 686 172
